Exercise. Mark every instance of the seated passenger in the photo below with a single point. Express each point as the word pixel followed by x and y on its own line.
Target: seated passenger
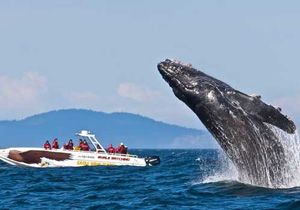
pixel 70 144
pixel 55 144
pixel 110 149
pixel 121 149
pixel 47 145
pixel 85 146
pixel 80 144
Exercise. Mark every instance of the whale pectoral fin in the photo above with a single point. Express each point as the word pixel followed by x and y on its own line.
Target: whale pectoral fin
pixel 266 113
pixel 274 117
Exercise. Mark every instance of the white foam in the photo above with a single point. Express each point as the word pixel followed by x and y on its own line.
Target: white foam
pixel 291 145
pixel 227 171
pixel 291 175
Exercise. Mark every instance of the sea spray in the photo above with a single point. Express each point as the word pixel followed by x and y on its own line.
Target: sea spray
pixel 291 145
pixel 225 170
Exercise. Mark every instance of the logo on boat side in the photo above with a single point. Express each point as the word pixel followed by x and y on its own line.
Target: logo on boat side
pixel 104 157
pixel 122 159
pixel 85 156
pixel 92 163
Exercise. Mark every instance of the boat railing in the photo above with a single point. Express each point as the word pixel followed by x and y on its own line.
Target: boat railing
pixel 122 155
pixel 101 152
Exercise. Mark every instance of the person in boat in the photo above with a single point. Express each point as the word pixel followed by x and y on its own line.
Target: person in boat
pixel 80 144
pixel 85 146
pixel 47 145
pixel 111 149
pixel 70 144
pixel 121 149
pixel 55 144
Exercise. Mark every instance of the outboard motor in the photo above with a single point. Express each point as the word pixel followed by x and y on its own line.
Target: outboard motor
pixel 152 160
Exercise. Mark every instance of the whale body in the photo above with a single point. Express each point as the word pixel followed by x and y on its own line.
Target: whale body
pixel 241 124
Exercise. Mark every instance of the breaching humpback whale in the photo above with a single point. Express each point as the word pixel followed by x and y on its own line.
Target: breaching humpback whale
pixel 241 124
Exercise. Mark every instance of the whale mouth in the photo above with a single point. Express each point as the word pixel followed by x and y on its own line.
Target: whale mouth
pixel 174 72
pixel 167 70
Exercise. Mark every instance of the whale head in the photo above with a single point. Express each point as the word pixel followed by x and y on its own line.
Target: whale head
pixel 213 100
pixel 196 89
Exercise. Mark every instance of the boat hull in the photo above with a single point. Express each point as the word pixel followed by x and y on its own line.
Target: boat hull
pixel 41 158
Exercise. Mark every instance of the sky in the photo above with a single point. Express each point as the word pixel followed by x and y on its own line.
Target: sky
pixel 102 55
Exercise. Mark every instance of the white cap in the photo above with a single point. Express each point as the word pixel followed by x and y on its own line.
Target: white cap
pixel 121 143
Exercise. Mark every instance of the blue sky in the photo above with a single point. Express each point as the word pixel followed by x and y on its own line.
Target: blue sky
pixel 102 55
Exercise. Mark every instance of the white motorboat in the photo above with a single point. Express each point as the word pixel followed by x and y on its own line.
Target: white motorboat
pixel 98 156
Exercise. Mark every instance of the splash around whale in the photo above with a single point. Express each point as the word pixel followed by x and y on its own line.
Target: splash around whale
pixel 248 130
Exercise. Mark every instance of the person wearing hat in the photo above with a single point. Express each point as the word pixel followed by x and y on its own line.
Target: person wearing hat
pixel 121 149
pixel 55 144
pixel 47 145
pixel 70 145
pixel 81 144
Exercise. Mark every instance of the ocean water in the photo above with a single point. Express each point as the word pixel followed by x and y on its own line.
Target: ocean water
pixel 185 179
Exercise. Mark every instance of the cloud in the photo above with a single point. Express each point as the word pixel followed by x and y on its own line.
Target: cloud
pixel 137 93
pixel 21 92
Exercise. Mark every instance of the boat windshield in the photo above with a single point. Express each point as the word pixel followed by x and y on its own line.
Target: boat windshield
pixel 92 141
pixel 91 146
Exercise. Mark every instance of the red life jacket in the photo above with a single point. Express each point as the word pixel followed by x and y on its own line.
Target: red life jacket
pixel 70 146
pixel 55 145
pixel 81 145
pixel 85 147
pixel 47 146
pixel 122 149
pixel 111 150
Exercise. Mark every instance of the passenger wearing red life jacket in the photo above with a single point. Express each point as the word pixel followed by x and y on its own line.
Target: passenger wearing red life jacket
pixel 111 149
pixel 55 144
pixel 81 144
pixel 85 146
pixel 121 149
pixel 47 145
pixel 70 145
